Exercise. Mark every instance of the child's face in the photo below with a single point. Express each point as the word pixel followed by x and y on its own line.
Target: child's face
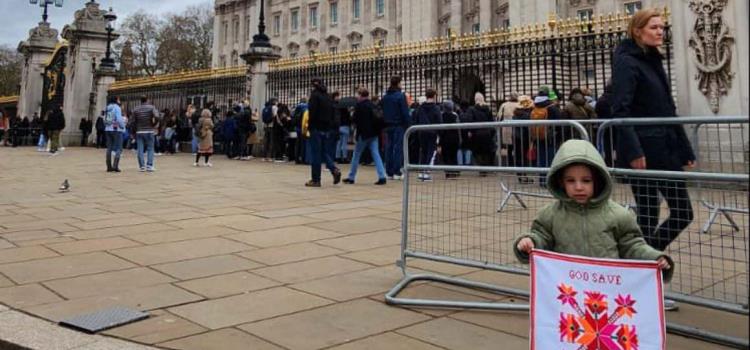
pixel 578 183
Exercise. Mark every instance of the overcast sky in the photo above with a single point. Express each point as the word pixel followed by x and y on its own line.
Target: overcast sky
pixel 18 16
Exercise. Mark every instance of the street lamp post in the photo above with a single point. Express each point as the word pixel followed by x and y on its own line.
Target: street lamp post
pixel 44 4
pixel 108 62
pixel 261 39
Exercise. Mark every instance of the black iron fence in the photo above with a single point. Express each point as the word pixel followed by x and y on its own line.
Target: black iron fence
pixel 561 55
pixel 175 91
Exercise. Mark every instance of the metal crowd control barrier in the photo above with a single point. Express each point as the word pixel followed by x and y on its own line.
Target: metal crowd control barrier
pixel 406 252
pixel 456 221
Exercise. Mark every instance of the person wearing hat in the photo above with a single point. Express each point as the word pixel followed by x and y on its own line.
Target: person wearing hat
pixel 506 112
pixel 544 139
pixel 521 136
pixel 320 114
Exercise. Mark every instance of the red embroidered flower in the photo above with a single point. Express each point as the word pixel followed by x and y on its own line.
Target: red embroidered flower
pixel 569 328
pixel 625 306
pixel 627 337
pixel 567 295
pixel 596 302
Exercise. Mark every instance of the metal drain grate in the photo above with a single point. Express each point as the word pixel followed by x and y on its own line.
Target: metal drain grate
pixel 104 319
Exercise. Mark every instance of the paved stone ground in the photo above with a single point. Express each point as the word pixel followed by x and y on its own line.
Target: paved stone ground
pixel 238 256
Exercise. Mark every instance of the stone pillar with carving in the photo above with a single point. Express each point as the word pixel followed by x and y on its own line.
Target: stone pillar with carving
pixel 36 50
pixel 87 38
pixel 710 53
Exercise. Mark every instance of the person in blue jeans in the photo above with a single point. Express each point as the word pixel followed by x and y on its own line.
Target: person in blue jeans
pixel 146 118
pixel 396 118
pixel 114 123
pixel 367 137
pixel 320 120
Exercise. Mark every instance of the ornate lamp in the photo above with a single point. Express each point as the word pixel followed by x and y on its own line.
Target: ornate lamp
pixel 44 4
pixel 108 62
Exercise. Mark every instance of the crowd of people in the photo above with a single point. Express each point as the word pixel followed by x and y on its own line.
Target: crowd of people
pixel 319 129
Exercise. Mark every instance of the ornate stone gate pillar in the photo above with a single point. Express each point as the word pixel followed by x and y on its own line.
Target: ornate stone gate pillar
pixel 36 51
pixel 87 37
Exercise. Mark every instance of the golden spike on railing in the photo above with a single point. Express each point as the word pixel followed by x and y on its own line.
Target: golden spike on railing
pixel 667 15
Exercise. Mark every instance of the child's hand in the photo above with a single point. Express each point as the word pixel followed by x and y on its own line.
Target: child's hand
pixel 525 245
pixel 663 263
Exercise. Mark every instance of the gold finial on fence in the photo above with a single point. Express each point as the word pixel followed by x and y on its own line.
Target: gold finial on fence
pixel 667 15
pixel 552 22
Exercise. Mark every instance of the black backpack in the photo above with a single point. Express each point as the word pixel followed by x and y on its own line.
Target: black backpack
pixel 268 114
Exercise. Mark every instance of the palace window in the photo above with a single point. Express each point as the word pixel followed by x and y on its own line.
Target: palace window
pixel 333 49
pixel 380 7
pixel 276 25
pixel 225 27
pixel 475 28
pixel 236 31
pixel 356 9
pixel 313 16
pixel 632 7
pixel 585 14
pixel 334 13
pixel 355 47
pixel 295 20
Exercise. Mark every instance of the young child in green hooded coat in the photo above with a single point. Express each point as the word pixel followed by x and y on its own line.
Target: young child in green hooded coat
pixel 584 220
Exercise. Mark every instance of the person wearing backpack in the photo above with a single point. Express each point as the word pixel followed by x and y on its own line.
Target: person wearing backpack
pixel 114 124
pixel 577 108
pixel 301 144
pixel 427 113
pixel 267 116
pixel 543 139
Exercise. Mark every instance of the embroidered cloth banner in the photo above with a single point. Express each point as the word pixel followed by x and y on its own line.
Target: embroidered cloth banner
pixel 581 303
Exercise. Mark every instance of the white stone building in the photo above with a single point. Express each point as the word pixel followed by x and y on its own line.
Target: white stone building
pixel 299 27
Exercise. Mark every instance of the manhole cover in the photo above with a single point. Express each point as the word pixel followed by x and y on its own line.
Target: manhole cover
pixel 104 319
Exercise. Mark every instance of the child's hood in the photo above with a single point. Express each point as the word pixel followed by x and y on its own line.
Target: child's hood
pixel 579 151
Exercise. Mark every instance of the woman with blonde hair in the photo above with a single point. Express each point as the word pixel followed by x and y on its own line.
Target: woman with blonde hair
pixel 642 89
pixel 205 134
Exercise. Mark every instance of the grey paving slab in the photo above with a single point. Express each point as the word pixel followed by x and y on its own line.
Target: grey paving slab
pixel 176 251
pixel 203 267
pixel 234 310
pixel 62 267
pixel 457 335
pixel 107 282
pixel 21 236
pixel 289 253
pixel 160 327
pixel 228 284
pixel 144 298
pixel 180 234
pixel 390 341
pixel 224 339
pixel 92 245
pixel 332 325
pixel 282 236
pixel 27 295
pixel 310 269
pixel 25 253
pixel 353 285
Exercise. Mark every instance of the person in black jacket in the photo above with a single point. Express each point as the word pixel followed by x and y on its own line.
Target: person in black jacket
pixel 320 120
pixel 450 140
pixel 86 127
pixel 481 141
pixel 603 110
pixel 641 89
pixel 427 113
pixel 55 125
pixel 368 129
pixel 100 139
